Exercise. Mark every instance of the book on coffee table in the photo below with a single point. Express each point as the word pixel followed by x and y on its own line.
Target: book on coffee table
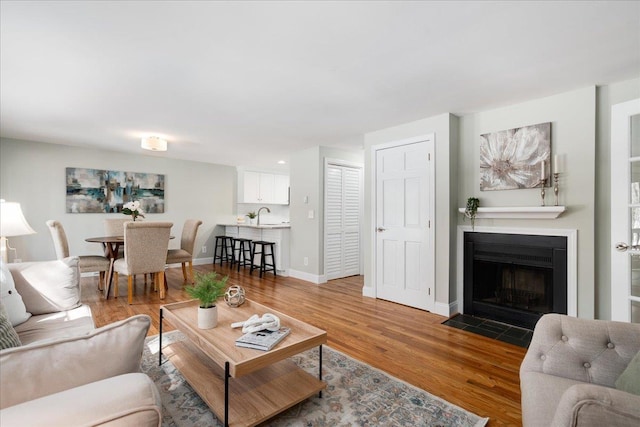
pixel 262 340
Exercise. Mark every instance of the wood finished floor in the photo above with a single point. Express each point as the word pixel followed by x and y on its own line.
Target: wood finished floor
pixel 476 373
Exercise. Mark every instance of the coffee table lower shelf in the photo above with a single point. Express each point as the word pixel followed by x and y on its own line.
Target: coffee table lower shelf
pixel 253 398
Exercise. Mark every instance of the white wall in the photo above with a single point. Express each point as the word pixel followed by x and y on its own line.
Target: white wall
pixel 33 174
pixel 444 127
pixel 573 123
pixel 307 181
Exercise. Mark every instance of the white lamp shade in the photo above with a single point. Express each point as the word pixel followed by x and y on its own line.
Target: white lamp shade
pixel 154 143
pixel 12 221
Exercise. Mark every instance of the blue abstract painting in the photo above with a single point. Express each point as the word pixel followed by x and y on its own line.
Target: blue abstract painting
pixel 105 191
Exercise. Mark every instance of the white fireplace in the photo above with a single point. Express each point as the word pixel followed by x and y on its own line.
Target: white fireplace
pixel 571 250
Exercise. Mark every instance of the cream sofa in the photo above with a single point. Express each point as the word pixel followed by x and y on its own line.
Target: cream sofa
pixel 67 372
pixel 570 372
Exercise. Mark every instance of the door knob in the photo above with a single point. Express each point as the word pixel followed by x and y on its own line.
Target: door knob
pixel 623 247
pixel 380 229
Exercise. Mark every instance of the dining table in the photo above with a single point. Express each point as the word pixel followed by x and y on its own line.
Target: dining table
pixel 112 246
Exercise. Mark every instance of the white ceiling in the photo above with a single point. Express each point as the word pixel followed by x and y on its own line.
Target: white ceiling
pixel 248 83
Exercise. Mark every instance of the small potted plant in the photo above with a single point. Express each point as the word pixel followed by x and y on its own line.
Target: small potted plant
pixel 207 288
pixel 471 210
pixel 252 217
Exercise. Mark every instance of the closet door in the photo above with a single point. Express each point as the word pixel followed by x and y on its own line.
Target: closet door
pixel 343 210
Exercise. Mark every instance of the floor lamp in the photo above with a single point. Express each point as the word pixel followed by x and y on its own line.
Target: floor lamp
pixel 12 223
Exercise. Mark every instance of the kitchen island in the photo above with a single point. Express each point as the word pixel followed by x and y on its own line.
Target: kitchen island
pixel 277 233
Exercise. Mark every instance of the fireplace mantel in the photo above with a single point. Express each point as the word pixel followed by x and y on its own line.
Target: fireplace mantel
pixel 520 212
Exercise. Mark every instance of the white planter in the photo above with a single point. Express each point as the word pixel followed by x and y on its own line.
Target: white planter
pixel 253 221
pixel 207 317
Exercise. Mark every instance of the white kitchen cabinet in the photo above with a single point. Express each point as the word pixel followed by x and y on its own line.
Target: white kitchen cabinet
pixel 261 187
pixel 281 189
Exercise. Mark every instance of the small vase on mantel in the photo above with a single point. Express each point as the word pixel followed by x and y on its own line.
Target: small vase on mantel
pixel 207 317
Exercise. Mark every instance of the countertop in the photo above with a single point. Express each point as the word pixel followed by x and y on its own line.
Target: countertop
pixel 261 227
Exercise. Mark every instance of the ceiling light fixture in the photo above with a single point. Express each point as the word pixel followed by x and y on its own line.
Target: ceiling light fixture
pixel 153 143
pixel 282 162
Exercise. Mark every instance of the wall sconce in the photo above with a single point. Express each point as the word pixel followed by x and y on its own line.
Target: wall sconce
pixel 12 223
pixel 153 143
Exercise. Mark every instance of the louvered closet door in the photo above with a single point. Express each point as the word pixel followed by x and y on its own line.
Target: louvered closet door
pixel 342 221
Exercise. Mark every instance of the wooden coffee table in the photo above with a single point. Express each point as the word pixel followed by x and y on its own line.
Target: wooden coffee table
pixel 242 386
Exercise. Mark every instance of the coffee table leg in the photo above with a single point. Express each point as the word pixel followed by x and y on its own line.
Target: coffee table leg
pixel 160 337
pixel 226 394
pixel 320 368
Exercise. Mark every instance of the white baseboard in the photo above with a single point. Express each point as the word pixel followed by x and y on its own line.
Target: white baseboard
pixel 367 291
pixel 200 261
pixel 444 309
pixel 308 277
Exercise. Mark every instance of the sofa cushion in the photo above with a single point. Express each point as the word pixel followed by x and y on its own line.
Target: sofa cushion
pixel 48 286
pixel 40 369
pixel 53 326
pixel 130 399
pixel 629 380
pixel 8 336
pixel 10 298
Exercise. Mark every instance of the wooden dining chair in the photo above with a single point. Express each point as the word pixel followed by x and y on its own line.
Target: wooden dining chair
pixel 184 255
pixel 88 263
pixel 145 251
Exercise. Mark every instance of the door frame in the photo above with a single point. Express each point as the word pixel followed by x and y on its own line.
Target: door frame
pixel 430 138
pixel 344 163
pixel 620 218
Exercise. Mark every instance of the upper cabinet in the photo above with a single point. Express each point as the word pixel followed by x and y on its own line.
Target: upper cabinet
pixel 261 187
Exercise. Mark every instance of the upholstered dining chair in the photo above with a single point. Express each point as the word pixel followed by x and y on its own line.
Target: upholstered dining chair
pixel 88 263
pixel 115 227
pixel 184 255
pixel 145 251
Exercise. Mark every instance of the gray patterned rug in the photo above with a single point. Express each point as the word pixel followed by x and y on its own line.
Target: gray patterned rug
pixel 356 395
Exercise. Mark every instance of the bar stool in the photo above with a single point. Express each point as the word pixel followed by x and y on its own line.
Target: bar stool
pixel 259 247
pixel 243 248
pixel 223 250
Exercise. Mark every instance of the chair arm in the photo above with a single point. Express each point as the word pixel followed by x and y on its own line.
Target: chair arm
pixel 587 405
pixel 38 370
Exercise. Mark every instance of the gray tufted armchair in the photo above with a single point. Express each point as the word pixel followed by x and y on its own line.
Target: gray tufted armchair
pixel 567 376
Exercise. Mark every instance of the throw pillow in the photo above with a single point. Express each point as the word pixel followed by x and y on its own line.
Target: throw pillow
pixel 629 380
pixel 10 298
pixel 8 336
pixel 49 286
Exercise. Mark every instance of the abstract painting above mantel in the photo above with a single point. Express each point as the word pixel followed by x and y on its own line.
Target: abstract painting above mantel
pixel 515 158
pixel 105 191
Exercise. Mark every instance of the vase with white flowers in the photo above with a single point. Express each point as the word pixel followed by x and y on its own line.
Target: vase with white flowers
pixel 133 208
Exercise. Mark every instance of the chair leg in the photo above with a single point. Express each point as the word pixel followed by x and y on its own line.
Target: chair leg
pixel 191 271
pixel 184 272
pixel 115 284
pixel 101 281
pixel 130 283
pixel 160 283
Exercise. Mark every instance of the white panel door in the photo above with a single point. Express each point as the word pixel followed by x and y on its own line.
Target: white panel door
pixel 625 211
pixel 404 210
pixel 342 220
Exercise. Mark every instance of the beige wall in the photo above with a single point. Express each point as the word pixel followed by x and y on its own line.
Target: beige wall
pixel 33 174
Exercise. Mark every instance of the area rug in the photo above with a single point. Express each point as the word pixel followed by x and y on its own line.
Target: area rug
pixel 356 395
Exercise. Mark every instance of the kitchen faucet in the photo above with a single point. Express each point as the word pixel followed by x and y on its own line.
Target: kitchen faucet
pixel 264 207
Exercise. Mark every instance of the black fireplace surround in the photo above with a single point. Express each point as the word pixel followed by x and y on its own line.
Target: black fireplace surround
pixel 514 278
